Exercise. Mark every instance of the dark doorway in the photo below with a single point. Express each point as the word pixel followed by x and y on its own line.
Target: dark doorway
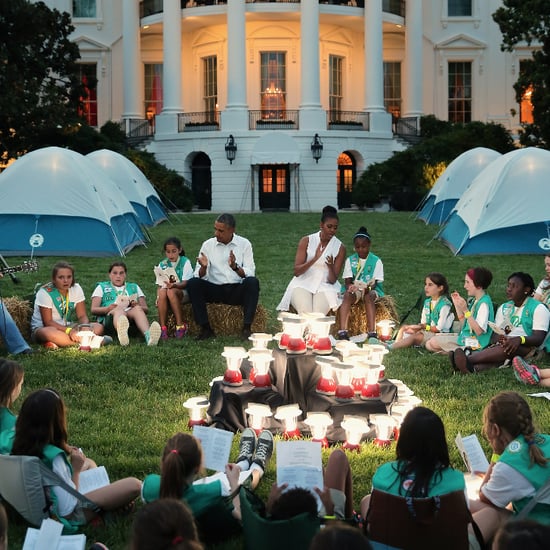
pixel 345 179
pixel 201 182
pixel 274 186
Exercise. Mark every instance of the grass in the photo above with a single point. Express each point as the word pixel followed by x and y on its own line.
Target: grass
pixel 124 403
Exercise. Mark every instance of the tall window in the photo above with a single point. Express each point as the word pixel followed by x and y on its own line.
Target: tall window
pixel 460 91
pixel 210 76
pixel 153 90
pixel 88 77
pixel 273 85
pixel 525 106
pixel 392 88
pixel 459 8
pixel 84 8
pixel 335 99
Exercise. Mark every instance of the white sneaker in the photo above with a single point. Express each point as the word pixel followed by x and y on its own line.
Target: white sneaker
pixel 122 326
pixel 153 334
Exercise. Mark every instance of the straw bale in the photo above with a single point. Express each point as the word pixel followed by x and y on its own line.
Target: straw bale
pixel 21 311
pixel 357 323
pixel 224 319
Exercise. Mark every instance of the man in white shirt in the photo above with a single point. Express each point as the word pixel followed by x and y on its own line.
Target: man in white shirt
pixel 225 273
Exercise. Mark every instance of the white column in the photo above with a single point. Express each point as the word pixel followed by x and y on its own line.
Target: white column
pixel 413 77
pixel 132 92
pixel 171 75
pixel 374 63
pixel 380 120
pixel 235 115
pixel 311 115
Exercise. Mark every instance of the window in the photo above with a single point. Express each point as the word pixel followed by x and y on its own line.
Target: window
pixel 88 107
pixel 460 91
pixel 153 90
pixel 335 98
pixel 459 8
pixel 525 106
pixel 392 88
pixel 273 85
pixel 210 75
pixel 84 8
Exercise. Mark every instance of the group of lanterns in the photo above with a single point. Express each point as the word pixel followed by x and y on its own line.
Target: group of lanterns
pixel 356 373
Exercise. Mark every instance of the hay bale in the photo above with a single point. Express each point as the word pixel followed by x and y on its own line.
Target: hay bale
pixel 225 320
pixel 21 311
pixel 357 323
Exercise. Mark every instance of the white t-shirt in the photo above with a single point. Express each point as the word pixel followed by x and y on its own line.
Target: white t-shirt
pixel 65 501
pixel 541 320
pixel 445 321
pixel 377 272
pixel 120 290
pixel 44 299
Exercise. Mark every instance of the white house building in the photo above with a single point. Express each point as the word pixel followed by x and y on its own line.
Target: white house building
pixel 282 104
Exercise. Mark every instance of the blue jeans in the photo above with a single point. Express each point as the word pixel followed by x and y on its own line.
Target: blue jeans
pixel 14 342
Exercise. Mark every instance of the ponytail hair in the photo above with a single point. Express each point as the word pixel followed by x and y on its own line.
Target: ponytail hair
pixel 509 411
pixel 182 456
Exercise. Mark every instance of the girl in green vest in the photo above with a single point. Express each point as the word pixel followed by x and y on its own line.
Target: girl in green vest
pixel 41 430
pixel 542 294
pixel 437 316
pixel 518 468
pixel 11 382
pixel 522 323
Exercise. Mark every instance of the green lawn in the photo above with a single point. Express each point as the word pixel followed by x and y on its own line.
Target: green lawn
pixel 125 402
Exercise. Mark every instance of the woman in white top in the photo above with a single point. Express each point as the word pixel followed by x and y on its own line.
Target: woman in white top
pixel 319 259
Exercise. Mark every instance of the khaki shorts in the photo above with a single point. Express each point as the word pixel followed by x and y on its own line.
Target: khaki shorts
pixel 339 500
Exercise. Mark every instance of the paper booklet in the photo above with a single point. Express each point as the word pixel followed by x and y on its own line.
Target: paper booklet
pixel 299 464
pixel 166 275
pixel 49 537
pixel 472 453
pixel 125 300
pixel 496 329
pixel 216 446
pixel 92 479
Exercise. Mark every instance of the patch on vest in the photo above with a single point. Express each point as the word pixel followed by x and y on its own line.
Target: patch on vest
pixel 514 447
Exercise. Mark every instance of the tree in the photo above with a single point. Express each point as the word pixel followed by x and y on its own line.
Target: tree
pixel 40 88
pixel 528 21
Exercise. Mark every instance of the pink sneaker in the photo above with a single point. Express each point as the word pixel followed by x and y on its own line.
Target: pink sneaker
pixel 181 331
pixel 525 372
pixel 163 333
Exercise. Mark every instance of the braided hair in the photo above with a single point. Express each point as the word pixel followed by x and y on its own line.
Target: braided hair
pixel 510 411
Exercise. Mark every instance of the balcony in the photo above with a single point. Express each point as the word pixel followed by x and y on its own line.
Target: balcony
pixel 397 7
pixel 273 120
pixel 348 120
pixel 206 121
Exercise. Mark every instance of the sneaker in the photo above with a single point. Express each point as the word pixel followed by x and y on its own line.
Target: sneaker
pixel 205 334
pixel 264 449
pixel 247 445
pixel 164 333
pixel 181 331
pixel 343 335
pixel 525 372
pixel 153 335
pixel 106 341
pixel 245 334
pixel 122 326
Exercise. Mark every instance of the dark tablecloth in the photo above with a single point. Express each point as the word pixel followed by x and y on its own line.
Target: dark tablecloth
pixel 294 379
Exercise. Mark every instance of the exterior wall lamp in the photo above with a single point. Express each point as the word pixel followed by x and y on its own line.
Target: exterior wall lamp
pixel 230 149
pixel 317 148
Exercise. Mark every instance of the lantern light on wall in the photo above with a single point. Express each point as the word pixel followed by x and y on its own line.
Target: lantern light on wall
pixel 230 149
pixel 317 148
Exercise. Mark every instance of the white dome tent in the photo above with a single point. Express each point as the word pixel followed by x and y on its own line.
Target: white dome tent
pixel 54 202
pixel 506 209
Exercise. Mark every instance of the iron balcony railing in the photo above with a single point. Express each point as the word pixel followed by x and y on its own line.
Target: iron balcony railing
pixel 407 126
pixel 138 127
pixel 273 119
pixel 348 120
pixel 204 121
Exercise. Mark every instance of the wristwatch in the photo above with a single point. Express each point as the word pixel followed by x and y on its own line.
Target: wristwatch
pixel 236 268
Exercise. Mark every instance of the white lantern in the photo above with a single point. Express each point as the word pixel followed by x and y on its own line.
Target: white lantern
pixel 196 406
pixel 385 329
pixel 288 415
pixel 355 427
pixel 257 413
pixel 85 336
pixel 234 357
pixel 384 425
pixel 318 423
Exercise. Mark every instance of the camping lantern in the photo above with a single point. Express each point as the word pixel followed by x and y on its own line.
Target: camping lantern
pixel 318 423
pixel 259 375
pixel 196 406
pixel 344 390
pixel 260 340
pixel 376 353
pixel 288 415
pixel 385 329
pixel 234 357
pixel 326 384
pixel 384 425
pixel 294 328
pixel 257 413
pixel 320 330
pixel 284 338
pixel 85 335
pixel 371 389
pixel 355 427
